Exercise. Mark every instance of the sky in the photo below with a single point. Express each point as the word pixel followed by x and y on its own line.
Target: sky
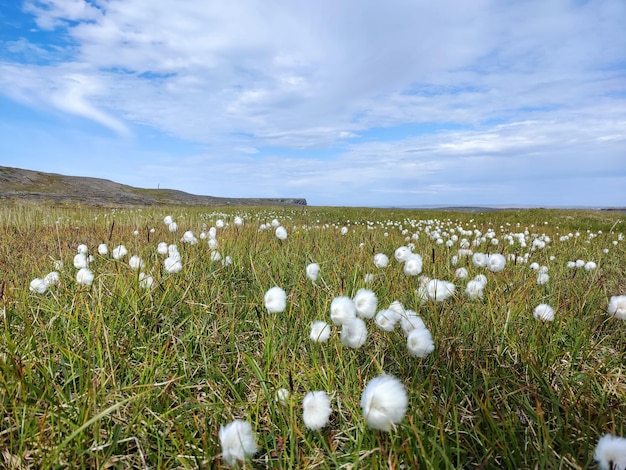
pixel 402 103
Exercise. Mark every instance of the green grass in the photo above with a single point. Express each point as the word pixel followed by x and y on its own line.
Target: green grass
pixel 113 375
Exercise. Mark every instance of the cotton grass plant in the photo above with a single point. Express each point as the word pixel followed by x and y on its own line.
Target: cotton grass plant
pixel 149 367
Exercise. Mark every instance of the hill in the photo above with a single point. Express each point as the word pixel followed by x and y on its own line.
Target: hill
pixel 28 185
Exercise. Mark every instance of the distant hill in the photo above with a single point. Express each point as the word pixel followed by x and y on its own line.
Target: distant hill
pixel 27 185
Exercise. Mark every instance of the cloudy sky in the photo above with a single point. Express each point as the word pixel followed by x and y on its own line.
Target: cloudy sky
pixel 351 102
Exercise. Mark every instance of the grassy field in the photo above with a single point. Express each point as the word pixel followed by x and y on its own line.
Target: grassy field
pixel 116 374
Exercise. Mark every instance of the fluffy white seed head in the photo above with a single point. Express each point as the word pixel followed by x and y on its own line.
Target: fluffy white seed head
pixel 410 320
pixel 82 248
pixel 617 306
pixel 439 290
pixel 237 441
pixel 162 248
pixel 320 331
pixel 543 278
pixel 381 260
pixel 316 410
pixel 52 278
pixel 479 260
pixel 496 262
pixel 275 300
pixel 281 233
pixel 461 273
pixel 38 286
pixel 474 289
pixel 354 333
pixel 312 271
pixel 413 265
pixel 119 252
pixel 103 249
pixel 383 402
pixel 402 253
pixel 342 310
pixel 611 453
pixel 168 219
pixel 544 312
pixel 386 319
pixel 81 261
pixel 135 262
pixel 365 302
pixel 84 277
pixel 173 227
pixel 419 342
pixel 173 264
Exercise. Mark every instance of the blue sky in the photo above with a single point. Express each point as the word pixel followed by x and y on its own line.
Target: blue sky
pixel 355 103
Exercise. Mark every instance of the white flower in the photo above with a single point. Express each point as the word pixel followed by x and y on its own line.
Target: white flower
pixel 383 402
pixel 397 307
pixel 281 232
pixel 611 453
pixel 342 310
pixel 410 320
pixel 52 278
pixel 419 342
pixel 617 306
pixel 354 333
pixel 216 255
pixel 482 280
pixel 316 410
pixel 119 252
pixel 386 319
pixel 212 242
pixel 320 331
pixel 81 261
pixel 579 263
pixel 275 300
pixel 135 262
pixel 219 223
pixel 173 227
pixel 38 285
pixel 84 276
pixel 381 260
pixel 402 253
pixel 103 249
pixel 238 441
pixel 312 271
pixel 496 262
pixel 82 248
pixel 544 312
pixel 275 223
pixel 365 302
pixel 173 264
pixel 238 221
pixel 439 290
pixel 479 260
pixel 168 219
pixel 344 230
pixel 413 265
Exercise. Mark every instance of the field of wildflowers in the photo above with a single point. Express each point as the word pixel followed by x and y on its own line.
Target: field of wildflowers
pixel 311 338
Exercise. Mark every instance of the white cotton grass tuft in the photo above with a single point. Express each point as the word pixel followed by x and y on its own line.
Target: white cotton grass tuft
pixel 173 263
pixel 82 248
pixel 461 273
pixel 168 219
pixel 81 261
pixel 420 343
pixel 410 320
pixel 316 410
pixel 590 266
pixel 135 262
pixel 282 395
pixel 38 286
pixel 52 278
pixel 365 302
pixel 439 290
pixel 617 307
pixel 543 278
pixel 189 237
pixel 238 221
pixel 145 281
pixel 413 265
pixel 381 260
pixel 402 254
pixel 610 453
pixel 312 271
pixel 119 252
pixel 281 232
pixel 496 262
pixel 342 310
pixel 237 441
pixel 384 402
pixel 162 248
pixel 354 333
pixel 320 331
pixel 544 312
pixel 479 260
pixel 474 289
pixel 103 249
pixel 386 319
pixel 84 277
pixel 275 300
pixel 173 227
